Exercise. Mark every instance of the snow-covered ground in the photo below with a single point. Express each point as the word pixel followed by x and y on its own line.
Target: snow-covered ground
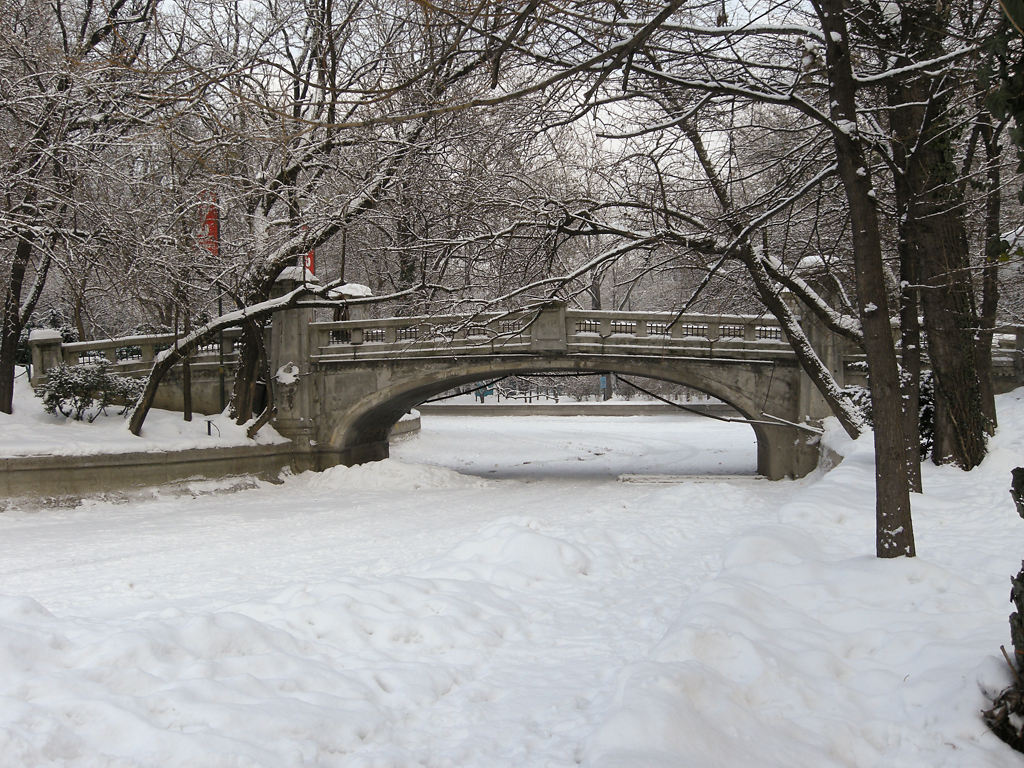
pixel 30 431
pixel 495 596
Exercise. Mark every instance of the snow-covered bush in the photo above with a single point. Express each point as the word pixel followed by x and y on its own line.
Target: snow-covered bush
pixel 1006 717
pixel 83 392
pixel 861 397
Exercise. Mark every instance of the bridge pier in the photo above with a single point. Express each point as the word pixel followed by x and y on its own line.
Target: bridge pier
pixel 547 331
pixel 292 387
pixel 784 451
pixel 358 453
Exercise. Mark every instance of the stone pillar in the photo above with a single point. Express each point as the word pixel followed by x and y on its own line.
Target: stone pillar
pixel 547 331
pixel 292 388
pixel 45 344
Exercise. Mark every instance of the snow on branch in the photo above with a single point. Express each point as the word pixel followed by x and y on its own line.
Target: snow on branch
pixel 918 66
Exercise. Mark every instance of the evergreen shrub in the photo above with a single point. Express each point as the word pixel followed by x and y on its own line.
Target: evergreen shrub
pixel 83 392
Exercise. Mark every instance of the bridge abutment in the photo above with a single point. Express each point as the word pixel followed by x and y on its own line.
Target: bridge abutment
pixel 830 348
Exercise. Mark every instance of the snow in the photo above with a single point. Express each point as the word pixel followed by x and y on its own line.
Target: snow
pixel 1014 238
pixel 29 431
pixel 45 334
pixel 297 275
pixel 891 13
pixel 350 291
pixel 287 374
pixel 494 596
pixel 813 264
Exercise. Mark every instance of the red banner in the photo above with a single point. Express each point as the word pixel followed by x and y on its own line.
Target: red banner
pixel 209 226
pixel 309 260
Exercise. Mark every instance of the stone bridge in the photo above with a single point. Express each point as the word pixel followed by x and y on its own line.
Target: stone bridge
pixel 340 386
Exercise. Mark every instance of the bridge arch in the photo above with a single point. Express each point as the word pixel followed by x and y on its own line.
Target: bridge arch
pixel 356 428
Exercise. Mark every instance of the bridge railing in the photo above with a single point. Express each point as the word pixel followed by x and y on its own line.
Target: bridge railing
pixel 133 356
pixel 423 332
pixel 483 333
pixel 1009 337
pixel 135 350
pixel 130 355
pixel 671 325
pixel 515 331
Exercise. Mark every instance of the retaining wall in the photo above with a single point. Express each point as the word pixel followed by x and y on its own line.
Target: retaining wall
pixel 41 476
pixel 48 476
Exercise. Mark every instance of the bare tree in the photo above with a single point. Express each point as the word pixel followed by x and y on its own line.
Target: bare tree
pixel 69 76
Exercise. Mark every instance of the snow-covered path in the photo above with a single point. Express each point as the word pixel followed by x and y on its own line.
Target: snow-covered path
pixel 529 610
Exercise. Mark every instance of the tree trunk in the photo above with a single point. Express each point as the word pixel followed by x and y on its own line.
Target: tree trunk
pixel 806 355
pixel 936 237
pixel 255 317
pixel 12 324
pixel 994 249
pixel 894 532
pixel 769 293
pixel 145 401
pixel 594 290
pixel 78 309
pixel 243 392
pixel 910 341
pixel 910 307
pixel 950 320
pixel 186 376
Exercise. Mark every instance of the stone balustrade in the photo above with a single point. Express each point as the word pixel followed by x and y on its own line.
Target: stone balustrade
pixel 126 352
pixel 133 356
pixel 482 333
pixel 554 328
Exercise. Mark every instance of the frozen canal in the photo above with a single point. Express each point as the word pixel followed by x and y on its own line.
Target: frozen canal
pixel 492 596
pixel 567 448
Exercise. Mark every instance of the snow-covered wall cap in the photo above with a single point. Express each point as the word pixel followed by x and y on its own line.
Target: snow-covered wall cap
pixel 45 334
pixel 297 275
pixel 813 263
pixel 350 291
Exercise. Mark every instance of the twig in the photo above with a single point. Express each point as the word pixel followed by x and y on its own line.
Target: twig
pixel 1011 665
